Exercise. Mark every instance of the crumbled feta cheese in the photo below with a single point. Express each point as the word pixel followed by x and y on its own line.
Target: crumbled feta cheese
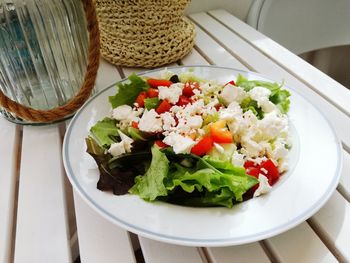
pixel 264 170
pixel 150 122
pixel 194 108
pixel 117 149
pixel 122 112
pixel 279 150
pixel 261 96
pixel 263 187
pixel 250 147
pixel 179 143
pixel 258 160
pixel 208 88
pixel 268 106
pixel 171 93
pixel 195 122
pixel 201 132
pixel 232 93
pixel 237 159
pixel 271 125
pixel 127 141
pixel 259 93
pixel 232 112
pixel 219 148
pixel 282 166
pixel 197 92
pixel 182 126
pixel 168 121
pixel 186 162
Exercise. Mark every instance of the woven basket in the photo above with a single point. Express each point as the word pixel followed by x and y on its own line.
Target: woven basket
pixel 144 33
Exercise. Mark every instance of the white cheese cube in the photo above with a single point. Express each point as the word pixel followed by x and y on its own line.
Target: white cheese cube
pixel 150 122
pixel 179 143
pixel 171 93
pixel 117 149
pixel 122 112
pixel 232 93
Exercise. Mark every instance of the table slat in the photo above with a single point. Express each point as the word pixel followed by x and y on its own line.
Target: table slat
pixel 99 239
pixel 154 251
pixel 159 252
pixel 107 75
pixel 194 58
pixel 320 82
pixel 226 254
pixel 256 61
pixel 214 52
pixel 300 244
pixel 344 185
pixel 333 221
pixel 127 71
pixel 42 229
pixel 8 153
pixel 244 254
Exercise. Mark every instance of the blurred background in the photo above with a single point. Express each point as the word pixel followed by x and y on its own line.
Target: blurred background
pixel 316 30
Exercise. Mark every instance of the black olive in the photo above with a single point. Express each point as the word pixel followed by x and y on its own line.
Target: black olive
pixel 174 79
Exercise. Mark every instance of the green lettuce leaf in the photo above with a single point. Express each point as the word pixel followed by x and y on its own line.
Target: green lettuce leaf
pixel 281 100
pixel 279 96
pixel 249 104
pixel 128 92
pixel 112 177
pixel 151 185
pixel 105 132
pixel 151 103
pixel 247 85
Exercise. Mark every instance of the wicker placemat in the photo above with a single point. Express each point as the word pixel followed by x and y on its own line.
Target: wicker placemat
pixel 144 33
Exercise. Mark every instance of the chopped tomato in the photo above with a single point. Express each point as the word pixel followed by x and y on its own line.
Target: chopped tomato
pixel 140 100
pixel 183 100
pixel 218 106
pixel 152 93
pixel 272 172
pixel 253 171
pixel 248 164
pixel 189 87
pixel 164 106
pixel 135 125
pixel 160 144
pixel 231 82
pixel 219 133
pixel 203 146
pixel 187 91
pixel 159 82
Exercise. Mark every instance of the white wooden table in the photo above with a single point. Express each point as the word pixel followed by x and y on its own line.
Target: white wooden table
pixel 39 222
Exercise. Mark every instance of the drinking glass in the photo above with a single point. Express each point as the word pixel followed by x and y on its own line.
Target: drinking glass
pixel 43 52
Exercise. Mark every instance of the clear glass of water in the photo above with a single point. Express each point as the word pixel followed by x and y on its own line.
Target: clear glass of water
pixel 43 52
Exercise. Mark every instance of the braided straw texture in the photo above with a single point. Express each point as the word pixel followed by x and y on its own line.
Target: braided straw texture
pixel 46 116
pixel 144 33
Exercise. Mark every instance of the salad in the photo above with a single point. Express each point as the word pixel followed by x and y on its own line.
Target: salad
pixel 190 141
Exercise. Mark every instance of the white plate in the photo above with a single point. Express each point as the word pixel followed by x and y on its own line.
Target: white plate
pixel 315 169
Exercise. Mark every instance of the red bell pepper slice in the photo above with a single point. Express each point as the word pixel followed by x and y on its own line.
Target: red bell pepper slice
pixel 203 146
pixel 159 82
pixel 183 101
pixel 164 106
pixel 140 100
pixel 160 144
pixel 219 133
pixel 152 93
